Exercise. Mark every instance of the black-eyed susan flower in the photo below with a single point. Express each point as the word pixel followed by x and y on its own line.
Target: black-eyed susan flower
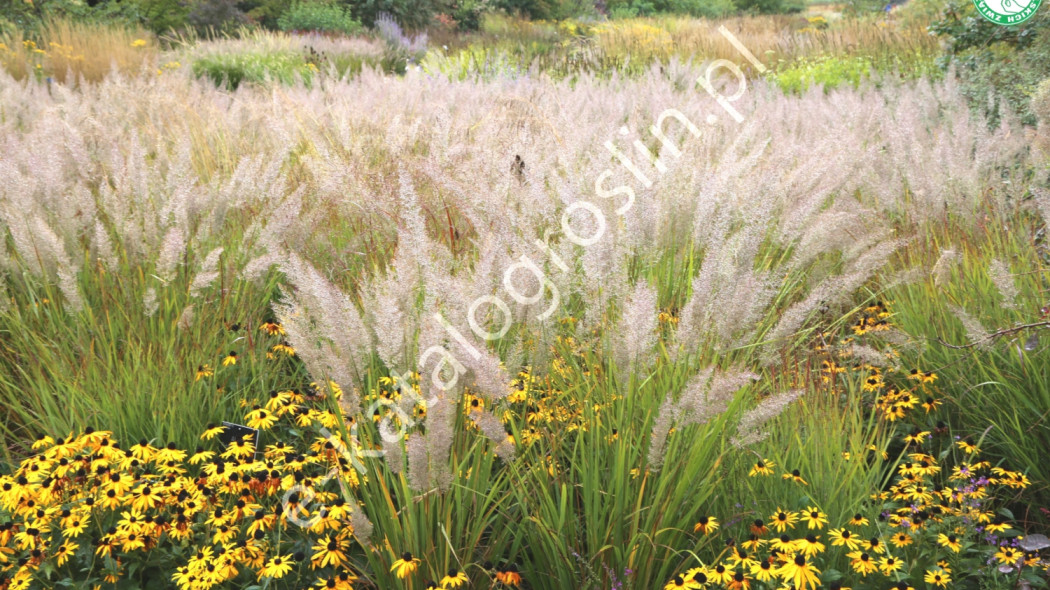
pixel 719 574
pixel 969 449
pixel 809 545
pixel 800 573
pixel 814 518
pixel 328 551
pixel 1008 555
pixel 230 359
pixel 405 566
pixel 203 371
pixel 937 577
pixel 784 544
pixel 212 431
pixel 272 328
pixel 874 545
pixel 901 539
pixel 758 527
pixel 706 525
pixel 783 519
pixel 454 579
pixel 862 563
pixel 276 568
pixel 739 582
pixel 762 467
pixel 858 520
pixel 508 576
pixel 843 537
pixel 949 541
pixel 763 570
pixel 680 583
pixel 796 476
pixel 888 565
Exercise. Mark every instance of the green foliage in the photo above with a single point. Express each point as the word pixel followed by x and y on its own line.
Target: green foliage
pixel 1003 382
pixel 771 6
pixel 257 67
pixel 162 16
pixel 318 16
pixel 208 16
pixel 999 66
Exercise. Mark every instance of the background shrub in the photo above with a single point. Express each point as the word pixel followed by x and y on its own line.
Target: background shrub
pixel 318 16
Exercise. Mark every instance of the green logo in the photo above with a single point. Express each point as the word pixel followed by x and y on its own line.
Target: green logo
pixel 1007 12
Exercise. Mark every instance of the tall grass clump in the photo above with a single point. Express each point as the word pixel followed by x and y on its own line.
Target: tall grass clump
pixel 68 51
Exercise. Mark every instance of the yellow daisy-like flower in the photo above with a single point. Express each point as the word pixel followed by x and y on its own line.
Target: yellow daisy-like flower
pixel 276 568
pixel 814 518
pixel 454 579
pixel 762 467
pixel 901 539
pixel 843 536
pixel 203 371
pixel 800 573
pixel 783 519
pixel 950 541
pixel 937 577
pixel 862 563
pixel 679 583
pixel 796 476
pixel 706 525
pixel 1008 555
pixel 405 566
pixel 888 565
pixel 230 359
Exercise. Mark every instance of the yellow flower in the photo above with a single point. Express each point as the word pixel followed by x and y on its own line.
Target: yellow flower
pixel 231 359
pixel 276 568
pixel 800 573
pixel 706 525
pixel 949 541
pixel 204 371
pixel 937 577
pixel 454 579
pixel 814 518
pixel 405 566
pixel 138 43
pixel 843 536
pixel 762 468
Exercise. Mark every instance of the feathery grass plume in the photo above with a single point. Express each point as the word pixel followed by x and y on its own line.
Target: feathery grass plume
pixel 172 253
pixel 1000 274
pixel 102 248
pixel 67 283
pixel 866 354
pixel 418 476
pixel 207 273
pixel 749 429
pixel 441 419
pixel 636 337
pixel 943 267
pixel 705 396
pixel 665 419
pixel 362 527
pixel 492 427
pixel 331 327
pixel 150 304
pixel 185 321
pixel 975 332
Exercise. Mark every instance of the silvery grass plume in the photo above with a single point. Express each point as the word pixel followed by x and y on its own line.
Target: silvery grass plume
pixel 975 332
pixel 705 396
pixel 634 341
pixel 749 429
pixel 1000 274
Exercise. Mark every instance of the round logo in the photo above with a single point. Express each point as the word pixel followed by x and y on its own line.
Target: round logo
pixel 1007 12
